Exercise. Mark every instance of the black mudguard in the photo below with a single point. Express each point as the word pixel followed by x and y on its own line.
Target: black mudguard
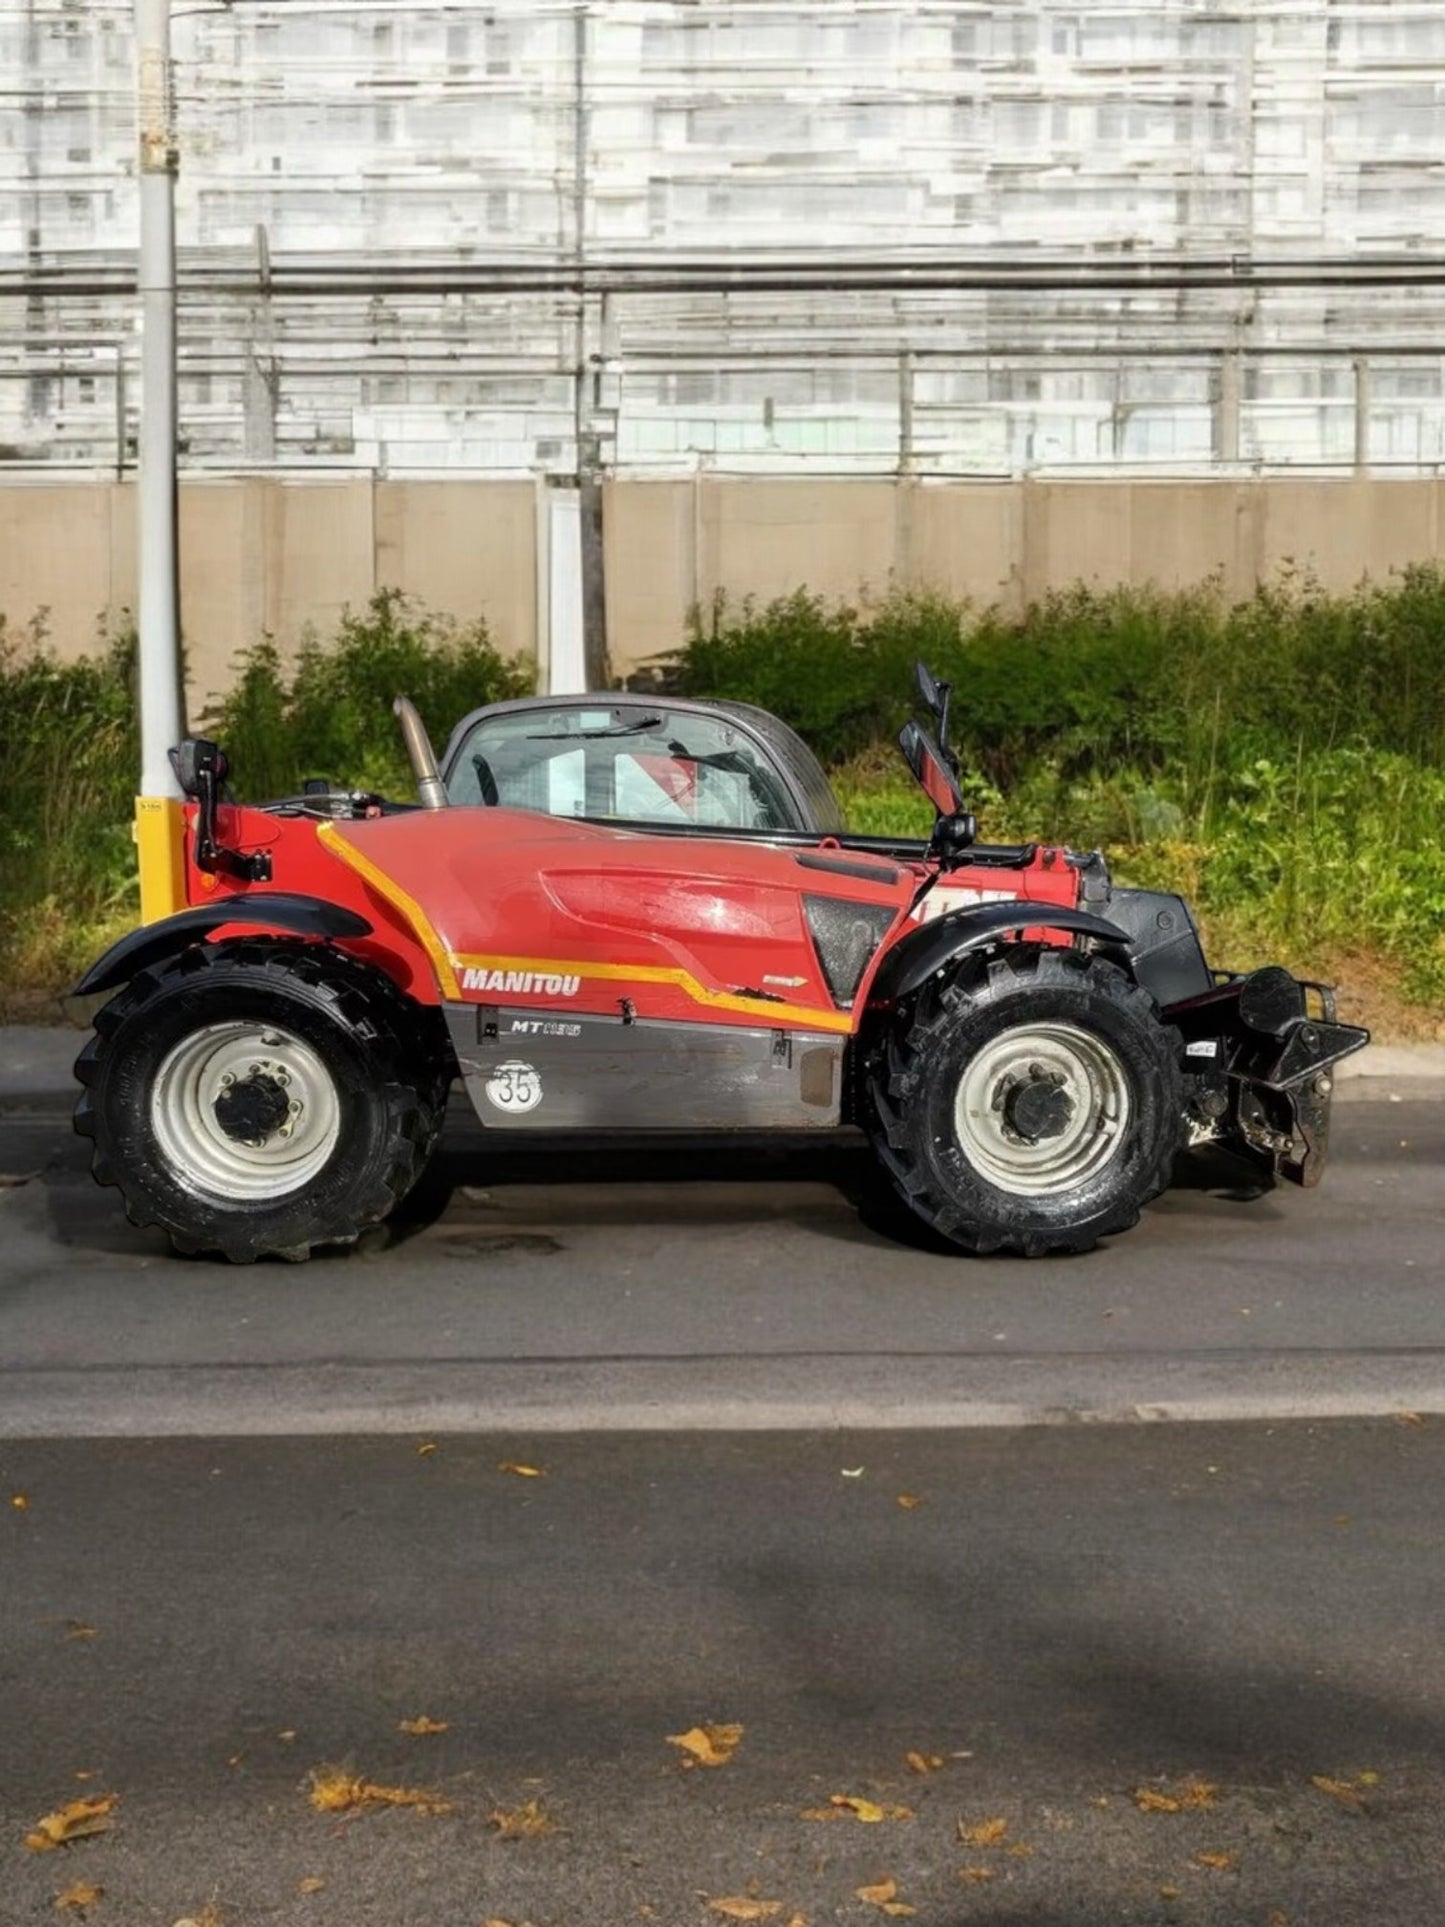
pixel 913 960
pixel 268 910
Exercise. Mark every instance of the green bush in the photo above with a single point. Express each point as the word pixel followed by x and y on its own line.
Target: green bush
pixel 1090 678
pixel 67 788
pixel 332 717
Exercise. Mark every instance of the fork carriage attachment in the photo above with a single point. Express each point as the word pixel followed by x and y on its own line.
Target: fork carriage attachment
pixel 1262 1065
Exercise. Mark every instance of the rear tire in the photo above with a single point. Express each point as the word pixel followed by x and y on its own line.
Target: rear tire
pixel 262 1097
pixel 1026 1101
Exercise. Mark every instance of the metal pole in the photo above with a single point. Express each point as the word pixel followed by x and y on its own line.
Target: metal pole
pixel 161 718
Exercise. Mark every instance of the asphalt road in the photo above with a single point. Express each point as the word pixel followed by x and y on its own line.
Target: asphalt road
pixel 252 1519
pixel 1244 1620
pixel 658 1285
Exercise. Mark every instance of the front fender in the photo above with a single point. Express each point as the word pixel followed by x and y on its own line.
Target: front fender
pixel 269 910
pixel 913 960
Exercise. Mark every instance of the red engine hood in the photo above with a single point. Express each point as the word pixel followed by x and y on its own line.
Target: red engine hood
pixel 520 908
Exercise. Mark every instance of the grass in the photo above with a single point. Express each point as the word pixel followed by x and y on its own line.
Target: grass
pixel 1280 762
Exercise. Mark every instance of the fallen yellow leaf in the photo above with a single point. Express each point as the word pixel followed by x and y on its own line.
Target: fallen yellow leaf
pixel 422 1725
pixel 986 1833
pixel 521 1823
pixel 1341 1790
pixel 868 1810
pixel 1408 1418
pixel 523 1471
pixel 19 1501
pixel 884 1896
pixel 1221 1862
pixel 1170 1893
pixel 1367 1779
pixel 76 1821
pixel 82 1894
pixel 286 1735
pixel 1019 1851
pixel 707 1745
pixel 334 1790
pixel 1191 1796
pixel 924 1762
pixel 910 1501
pixel 77 1629
pixel 310 1883
pixel 740 1907
pixel 426 1448
pixel 977 1873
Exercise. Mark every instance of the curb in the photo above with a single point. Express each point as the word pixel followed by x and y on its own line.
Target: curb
pixel 801 1393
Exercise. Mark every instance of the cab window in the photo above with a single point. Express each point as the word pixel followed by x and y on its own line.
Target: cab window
pixel 632 765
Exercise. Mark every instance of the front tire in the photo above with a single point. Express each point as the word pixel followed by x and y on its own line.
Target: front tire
pixel 262 1097
pixel 1026 1101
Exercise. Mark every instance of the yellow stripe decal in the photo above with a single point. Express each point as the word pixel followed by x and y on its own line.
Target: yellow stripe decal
pixel 775 1015
pixel 410 910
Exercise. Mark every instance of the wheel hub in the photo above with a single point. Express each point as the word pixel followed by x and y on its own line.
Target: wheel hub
pixel 245 1111
pixel 1042 1108
pixel 1037 1107
pixel 249 1110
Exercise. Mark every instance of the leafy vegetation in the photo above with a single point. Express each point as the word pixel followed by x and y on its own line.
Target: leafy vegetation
pixel 1280 761
pixel 331 715
pixel 67 798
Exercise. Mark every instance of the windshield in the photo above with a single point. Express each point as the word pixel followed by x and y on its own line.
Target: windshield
pixel 639 763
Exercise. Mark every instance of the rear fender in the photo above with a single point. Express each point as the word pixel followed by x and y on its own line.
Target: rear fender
pixel 153 943
pixel 915 957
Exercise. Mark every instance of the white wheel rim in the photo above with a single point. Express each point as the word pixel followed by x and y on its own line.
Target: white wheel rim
pixel 202 1155
pixel 1095 1094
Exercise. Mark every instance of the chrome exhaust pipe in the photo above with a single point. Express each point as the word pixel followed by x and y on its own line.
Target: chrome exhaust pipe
pixel 429 785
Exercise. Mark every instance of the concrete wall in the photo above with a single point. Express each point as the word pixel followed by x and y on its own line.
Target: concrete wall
pixel 671 543
pixel 261 555
pixel 265 557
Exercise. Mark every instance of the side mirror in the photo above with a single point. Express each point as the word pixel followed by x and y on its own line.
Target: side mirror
pixel 928 692
pixel 201 768
pixel 936 697
pixel 199 765
pixel 925 759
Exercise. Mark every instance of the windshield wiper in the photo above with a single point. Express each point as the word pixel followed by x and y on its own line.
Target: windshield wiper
pixel 585 735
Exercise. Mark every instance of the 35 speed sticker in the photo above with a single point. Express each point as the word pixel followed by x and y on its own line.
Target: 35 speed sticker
pixel 513 1087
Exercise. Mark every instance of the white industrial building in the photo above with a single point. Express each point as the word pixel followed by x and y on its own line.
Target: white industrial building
pixel 941 237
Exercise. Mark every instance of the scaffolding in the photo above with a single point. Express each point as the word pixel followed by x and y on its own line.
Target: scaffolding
pixel 935 237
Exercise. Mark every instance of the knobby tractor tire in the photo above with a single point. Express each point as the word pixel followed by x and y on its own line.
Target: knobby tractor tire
pixel 372 1067
pixel 1026 1101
